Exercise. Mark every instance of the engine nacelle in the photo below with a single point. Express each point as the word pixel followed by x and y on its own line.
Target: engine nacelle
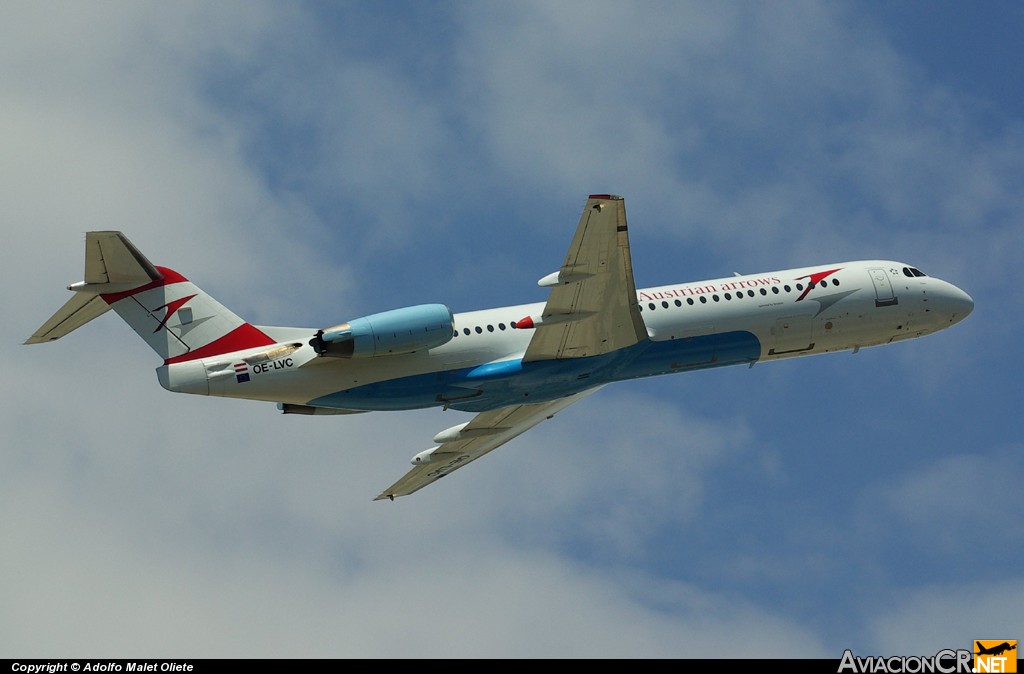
pixel 460 432
pixel 388 333
pixel 426 456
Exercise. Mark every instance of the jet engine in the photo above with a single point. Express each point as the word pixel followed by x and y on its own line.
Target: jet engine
pixel 388 333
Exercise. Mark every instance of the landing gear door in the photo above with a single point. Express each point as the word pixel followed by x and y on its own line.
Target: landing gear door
pixel 792 335
pixel 884 296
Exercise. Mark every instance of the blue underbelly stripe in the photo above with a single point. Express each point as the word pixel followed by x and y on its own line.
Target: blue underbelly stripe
pixel 512 382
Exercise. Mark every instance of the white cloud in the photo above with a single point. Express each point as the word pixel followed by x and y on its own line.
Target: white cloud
pixel 947 616
pixel 960 505
pixel 88 590
pixel 749 128
pixel 106 129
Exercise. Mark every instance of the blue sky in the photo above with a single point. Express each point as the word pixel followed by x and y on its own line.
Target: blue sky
pixel 308 163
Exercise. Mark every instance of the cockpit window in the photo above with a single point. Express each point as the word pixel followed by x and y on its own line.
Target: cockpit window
pixel 910 271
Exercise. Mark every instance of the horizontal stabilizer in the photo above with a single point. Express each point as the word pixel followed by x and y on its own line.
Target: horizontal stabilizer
pixel 112 264
pixel 78 311
pixel 111 258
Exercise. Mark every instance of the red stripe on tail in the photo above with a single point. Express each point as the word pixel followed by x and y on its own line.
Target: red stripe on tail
pixel 169 276
pixel 244 336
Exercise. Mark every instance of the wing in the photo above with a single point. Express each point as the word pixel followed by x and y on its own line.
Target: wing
pixel 468 442
pixel 593 307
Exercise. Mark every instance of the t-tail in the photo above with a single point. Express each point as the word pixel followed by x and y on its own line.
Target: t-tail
pixel 176 318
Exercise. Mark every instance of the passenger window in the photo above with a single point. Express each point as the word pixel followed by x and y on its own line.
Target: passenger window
pixel 490 328
pixel 664 305
pixel 479 330
pixel 703 300
pixel 689 300
pixel 678 303
pixel 465 331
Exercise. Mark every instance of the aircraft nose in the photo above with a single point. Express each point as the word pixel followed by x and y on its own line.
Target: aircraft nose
pixel 957 304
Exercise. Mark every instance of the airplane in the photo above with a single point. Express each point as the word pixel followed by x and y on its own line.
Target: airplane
pixel 512 366
pixel 994 650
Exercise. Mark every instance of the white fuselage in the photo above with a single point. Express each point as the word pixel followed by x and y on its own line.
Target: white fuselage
pixel 726 321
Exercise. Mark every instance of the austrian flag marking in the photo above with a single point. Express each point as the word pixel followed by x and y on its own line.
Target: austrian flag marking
pixel 241 372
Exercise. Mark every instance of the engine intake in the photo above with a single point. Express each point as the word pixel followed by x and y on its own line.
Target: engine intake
pixel 388 333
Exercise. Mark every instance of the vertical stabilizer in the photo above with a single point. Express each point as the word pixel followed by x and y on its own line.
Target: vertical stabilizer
pixel 181 322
